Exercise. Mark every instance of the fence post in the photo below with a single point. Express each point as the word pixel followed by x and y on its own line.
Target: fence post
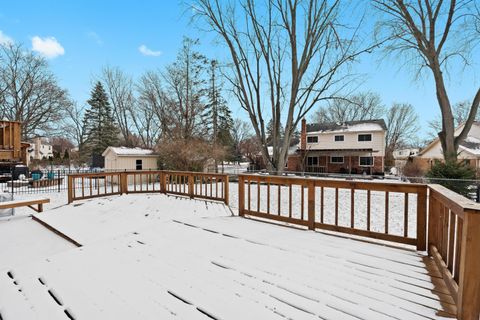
pixel 190 185
pixel 311 204
pixel 468 306
pixel 226 185
pixel 241 196
pixel 421 219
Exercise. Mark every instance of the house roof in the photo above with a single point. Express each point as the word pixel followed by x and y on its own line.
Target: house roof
pixel 124 151
pixel 355 126
pixel 471 145
pixel 465 145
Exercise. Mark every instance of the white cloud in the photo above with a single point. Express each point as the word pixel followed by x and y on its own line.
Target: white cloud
pixel 148 52
pixel 4 39
pixel 95 37
pixel 49 47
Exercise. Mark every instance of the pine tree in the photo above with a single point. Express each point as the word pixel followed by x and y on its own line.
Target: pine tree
pixel 217 116
pixel 101 131
pixel 269 132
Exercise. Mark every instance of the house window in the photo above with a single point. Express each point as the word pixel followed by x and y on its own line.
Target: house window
pixel 313 139
pixel 366 161
pixel 336 159
pixel 138 164
pixel 365 137
pixel 340 138
pixel 312 161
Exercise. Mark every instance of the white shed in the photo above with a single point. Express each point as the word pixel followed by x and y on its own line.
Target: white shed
pixel 123 158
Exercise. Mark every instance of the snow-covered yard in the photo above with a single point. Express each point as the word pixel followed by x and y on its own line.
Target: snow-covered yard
pixel 161 257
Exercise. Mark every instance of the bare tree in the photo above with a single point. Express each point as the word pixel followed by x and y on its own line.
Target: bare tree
pixel 429 32
pixel 241 130
pixel 120 88
pixel 185 88
pixel 402 127
pixel 286 57
pixel 72 124
pixel 362 106
pixel 29 91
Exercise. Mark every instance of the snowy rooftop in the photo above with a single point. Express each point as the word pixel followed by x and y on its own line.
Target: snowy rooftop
pixel 348 126
pixel 124 151
pixel 164 257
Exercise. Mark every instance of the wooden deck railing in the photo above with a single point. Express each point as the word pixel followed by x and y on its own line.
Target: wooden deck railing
pixel 339 205
pixel 193 184
pixel 358 208
pixel 454 244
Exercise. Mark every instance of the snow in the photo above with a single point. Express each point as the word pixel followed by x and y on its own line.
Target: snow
pixel 153 256
pixel 360 127
pixel 181 265
pixel 130 151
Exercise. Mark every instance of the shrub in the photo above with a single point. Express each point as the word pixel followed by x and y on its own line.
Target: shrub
pixel 452 175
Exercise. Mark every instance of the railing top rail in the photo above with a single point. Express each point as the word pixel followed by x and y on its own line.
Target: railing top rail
pixel 453 200
pixel 103 173
pixel 337 183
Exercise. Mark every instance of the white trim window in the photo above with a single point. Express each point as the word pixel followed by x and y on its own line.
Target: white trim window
pixel 339 138
pixel 365 161
pixel 365 137
pixel 312 139
pixel 336 159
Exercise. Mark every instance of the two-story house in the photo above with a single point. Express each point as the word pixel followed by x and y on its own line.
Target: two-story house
pixel 352 147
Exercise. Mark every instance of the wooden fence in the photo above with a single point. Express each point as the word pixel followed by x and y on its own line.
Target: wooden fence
pixel 210 186
pixel 453 221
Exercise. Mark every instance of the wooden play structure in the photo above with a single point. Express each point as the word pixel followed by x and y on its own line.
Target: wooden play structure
pixel 12 150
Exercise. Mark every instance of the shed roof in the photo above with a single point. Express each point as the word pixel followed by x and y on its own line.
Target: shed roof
pixel 124 151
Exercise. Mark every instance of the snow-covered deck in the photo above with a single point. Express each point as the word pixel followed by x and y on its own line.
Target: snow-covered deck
pixel 162 257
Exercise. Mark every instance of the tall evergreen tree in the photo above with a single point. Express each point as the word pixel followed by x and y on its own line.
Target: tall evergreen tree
pixel 100 129
pixel 217 116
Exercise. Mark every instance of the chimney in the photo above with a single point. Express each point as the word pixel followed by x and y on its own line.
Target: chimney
pixel 303 135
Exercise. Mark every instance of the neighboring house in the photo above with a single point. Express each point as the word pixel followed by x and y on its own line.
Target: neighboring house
pixel 40 149
pixel 259 164
pixel 468 150
pixel 351 147
pixel 123 158
pixel 401 156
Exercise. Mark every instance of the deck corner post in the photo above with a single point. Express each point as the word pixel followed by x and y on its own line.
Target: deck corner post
pixel 311 204
pixel 123 183
pixel 226 185
pixel 468 305
pixel 422 219
pixel 241 195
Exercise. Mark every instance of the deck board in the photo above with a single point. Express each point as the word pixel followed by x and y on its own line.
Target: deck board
pixel 182 266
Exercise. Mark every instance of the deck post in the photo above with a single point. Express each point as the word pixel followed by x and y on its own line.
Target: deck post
pixel 421 219
pixel 226 185
pixel 241 195
pixel 123 183
pixel 163 180
pixel 468 304
pixel 311 204
pixel 190 185
pixel 432 221
pixel 70 188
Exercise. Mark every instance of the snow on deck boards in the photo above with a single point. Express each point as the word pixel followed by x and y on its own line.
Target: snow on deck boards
pixel 158 257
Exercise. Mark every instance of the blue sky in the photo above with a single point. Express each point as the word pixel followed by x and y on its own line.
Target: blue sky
pixel 96 33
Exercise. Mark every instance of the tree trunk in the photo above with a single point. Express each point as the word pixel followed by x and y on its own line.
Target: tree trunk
pixel 447 135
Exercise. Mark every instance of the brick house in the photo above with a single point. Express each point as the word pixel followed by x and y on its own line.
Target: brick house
pixel 352 147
